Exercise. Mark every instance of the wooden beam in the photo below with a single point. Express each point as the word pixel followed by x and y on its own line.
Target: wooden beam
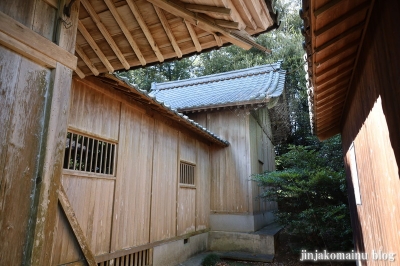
pixel 235 14
pixel 326 7
pixel 227 24
pixel 95 47
pixel 342 18
pixel 27 51
pixel 79 73
pixel 259 12
pixel 126 32
pixel 339 37
pixel 105 33
pixel 168 31
pixel 218 40
pixel 336 65
pixel 80 237
pixel 34 42
pixel 337 52
pixel 208 9
pixel 335 76
pixel 199 20
pixel 249 18
pixel 193 35
pixel 86 59
pixel 327 91
pixel 145 29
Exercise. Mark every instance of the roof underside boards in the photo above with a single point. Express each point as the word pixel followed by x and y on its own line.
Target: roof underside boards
pixel 125 34
pixel 256 85
pixel 333 33
pixel 142 97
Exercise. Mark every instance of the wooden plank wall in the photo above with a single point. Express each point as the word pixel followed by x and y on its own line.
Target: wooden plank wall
pixel 24 86
pixel 371 122
pixel 143 203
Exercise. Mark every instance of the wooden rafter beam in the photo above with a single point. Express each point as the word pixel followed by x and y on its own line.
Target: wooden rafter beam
pixel 126 32
pixel 168 31
pixel 208 9
pixel 94 46
pixel 227 24
pixel 336 65
pixel 326 7
pixel 86 59
pixel 235 14
pixel 249 18
pixel 337 52
pixel 258 10
pixel 336 76
pixel 79 73
pixel 145 29
pixel 199 20
pixel 193 35
pixel 105 33
pixel 218 40
pixel 80 236
pixel 342 18
pixel 340 37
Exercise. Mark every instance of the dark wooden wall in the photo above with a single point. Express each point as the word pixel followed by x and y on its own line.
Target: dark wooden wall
pixel 371 122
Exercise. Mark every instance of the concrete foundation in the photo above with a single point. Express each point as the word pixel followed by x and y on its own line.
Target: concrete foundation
pixel 263 241
pixel 240 222
pixel 174 252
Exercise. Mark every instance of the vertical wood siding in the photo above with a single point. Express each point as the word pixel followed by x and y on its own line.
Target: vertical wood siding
pixel 371 122
pixel 164 186
pixel 133 187
pixel 23 87
pixel 231 166
pixel 202 182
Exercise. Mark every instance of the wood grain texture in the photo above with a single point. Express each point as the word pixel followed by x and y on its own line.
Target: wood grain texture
pixel 131 220
pixel 94 112
pixel 165 174
pixel 203 178
pixel 186 211
pixel 24 86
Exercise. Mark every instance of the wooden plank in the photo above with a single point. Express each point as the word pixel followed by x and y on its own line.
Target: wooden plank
pixel 227 24
pixel 29 38
pixel 247 17
pixel 79 73
pixel 126 32
pixel 336 76
pixel 193 35
pixel 145 29
pixel 326 7
pixel 168 31
pixel 186 214
pixel 234 14
pixel 94 46
pixel 86 59
pixel 348 59
pixel 208 9
pixel 27 51
pixel 259 13
pixel 200 21
pixel 69 212
pixel 67 35
pixel 105 33
pixel 218 40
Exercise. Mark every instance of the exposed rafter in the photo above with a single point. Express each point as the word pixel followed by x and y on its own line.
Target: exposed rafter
pixel 248 17
pixel 105 33
pixel 208 9
pixel 326 7
pixel 198 20
pixel 193 35
pixel 86 59
pixel 168 31
pixel 94 46
pixel 235 14
pixel 79 73
pixel 218 40
pixel 126 32
pixel 145 29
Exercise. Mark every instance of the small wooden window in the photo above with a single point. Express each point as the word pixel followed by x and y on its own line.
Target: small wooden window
pixel 186 174
pixel 89 154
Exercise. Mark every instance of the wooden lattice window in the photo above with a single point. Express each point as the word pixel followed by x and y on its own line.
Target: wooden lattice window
pixel 88 154
pixel 186 174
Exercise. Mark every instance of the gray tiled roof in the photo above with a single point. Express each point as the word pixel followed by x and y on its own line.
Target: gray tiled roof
pixel 246 86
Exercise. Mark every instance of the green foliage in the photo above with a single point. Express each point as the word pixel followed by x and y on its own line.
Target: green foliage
pixel 311 194
pixel 210 260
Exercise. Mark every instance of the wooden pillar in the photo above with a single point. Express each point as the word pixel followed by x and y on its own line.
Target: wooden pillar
pixel 35 76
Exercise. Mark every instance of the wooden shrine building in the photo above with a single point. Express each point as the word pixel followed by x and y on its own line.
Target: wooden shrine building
pixel 353 65
pixel 89 165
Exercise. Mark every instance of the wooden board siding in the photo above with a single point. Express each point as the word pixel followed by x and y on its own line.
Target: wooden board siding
pixel 203 173
pixel 133 187
pixel 92 201
pixel 164 183
pixel 371 121
pixel 231 166
pixel 186 210
pixel 94 113
pixel 22 106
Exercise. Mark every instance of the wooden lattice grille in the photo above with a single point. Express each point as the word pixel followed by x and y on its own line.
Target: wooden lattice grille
pixel 88 154
pixel 186 174
pixel 140 258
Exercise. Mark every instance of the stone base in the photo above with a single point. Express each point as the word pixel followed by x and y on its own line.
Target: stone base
pixel 263 241
pixel 240 222
pixel 174 252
